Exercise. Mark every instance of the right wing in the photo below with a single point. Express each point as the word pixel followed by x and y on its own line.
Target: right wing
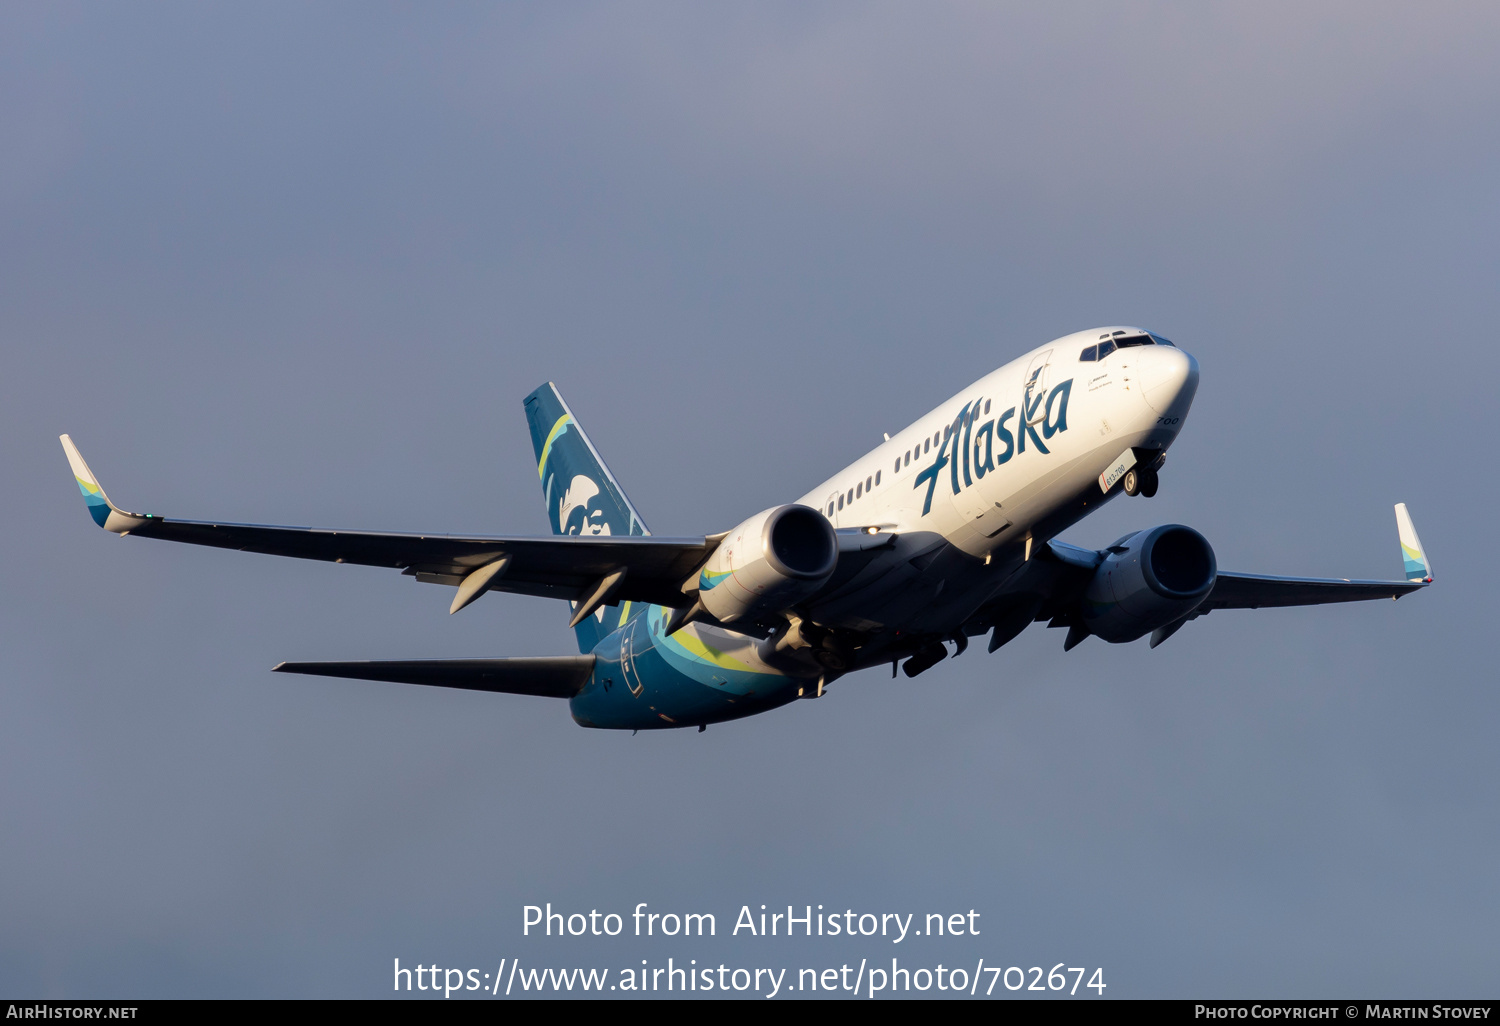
pixel 1257 591
pixel 1253 591
pixel 1056 581
pixel 569 567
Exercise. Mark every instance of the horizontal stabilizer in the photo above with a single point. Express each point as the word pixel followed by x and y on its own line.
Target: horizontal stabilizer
pixel 546 676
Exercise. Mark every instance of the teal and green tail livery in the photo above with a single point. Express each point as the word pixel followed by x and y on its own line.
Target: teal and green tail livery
pixel 1417 566
pixel 579 492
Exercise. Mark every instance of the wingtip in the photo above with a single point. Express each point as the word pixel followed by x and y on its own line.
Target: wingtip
pixel 1413 557
pixel 81 469
pixel 105 513
pixel 100 508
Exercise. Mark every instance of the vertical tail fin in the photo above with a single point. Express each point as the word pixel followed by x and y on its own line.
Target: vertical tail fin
pixel 580 494
pixel 1417 566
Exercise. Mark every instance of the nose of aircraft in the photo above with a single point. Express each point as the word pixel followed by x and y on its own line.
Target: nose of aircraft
pixel 1168 377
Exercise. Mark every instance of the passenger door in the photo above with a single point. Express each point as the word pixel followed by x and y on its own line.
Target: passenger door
pixel 1034 392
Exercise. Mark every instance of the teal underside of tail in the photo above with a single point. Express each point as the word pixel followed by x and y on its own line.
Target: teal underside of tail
pixel 580 494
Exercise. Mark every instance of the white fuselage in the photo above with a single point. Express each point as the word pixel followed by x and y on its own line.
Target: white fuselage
pixel 962 538
pixel 1084 414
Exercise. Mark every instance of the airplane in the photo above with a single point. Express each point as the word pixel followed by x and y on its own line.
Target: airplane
pixel 944 532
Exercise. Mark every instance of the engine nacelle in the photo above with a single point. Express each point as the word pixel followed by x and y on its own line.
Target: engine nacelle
pixel 1147 580
pixel 769 562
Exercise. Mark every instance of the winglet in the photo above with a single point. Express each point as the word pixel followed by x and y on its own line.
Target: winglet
pixel 104 512
pixel 1417 566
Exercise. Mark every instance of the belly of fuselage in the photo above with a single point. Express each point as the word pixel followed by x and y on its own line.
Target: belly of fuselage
pixel 644 680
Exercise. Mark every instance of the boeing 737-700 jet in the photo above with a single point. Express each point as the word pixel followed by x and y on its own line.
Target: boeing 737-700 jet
pixel 944 532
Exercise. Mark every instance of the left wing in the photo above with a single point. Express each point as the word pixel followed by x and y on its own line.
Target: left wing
pixel 573 567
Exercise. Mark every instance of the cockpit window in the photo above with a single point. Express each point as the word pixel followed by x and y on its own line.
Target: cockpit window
pixel 1135 340
pixel 1163 341
pixel 1099 352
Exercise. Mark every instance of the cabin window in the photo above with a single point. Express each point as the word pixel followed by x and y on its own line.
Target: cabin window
pixel 859 489
pixel 926 444
pixel 907 461
pixel 986 407
pixel 841 502
pixel 877 477
pixel 851 496
pixel 897 467
pixel 830 509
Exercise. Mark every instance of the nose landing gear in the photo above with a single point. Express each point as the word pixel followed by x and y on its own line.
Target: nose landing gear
pixel 1142 480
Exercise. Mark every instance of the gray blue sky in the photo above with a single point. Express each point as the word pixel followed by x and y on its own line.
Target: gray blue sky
pixel 299 264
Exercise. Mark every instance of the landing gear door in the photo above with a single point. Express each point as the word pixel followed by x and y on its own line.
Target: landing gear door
pixel 1035 391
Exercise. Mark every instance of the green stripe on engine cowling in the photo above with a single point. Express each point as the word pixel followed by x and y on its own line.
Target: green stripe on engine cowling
pixel 708 580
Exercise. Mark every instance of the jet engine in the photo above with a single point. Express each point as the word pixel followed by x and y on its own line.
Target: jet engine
pixel 1147 580
pixel 771 561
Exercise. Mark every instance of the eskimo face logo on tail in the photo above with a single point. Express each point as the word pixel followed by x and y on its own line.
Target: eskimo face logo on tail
pixel 970 449
pixel 577 510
